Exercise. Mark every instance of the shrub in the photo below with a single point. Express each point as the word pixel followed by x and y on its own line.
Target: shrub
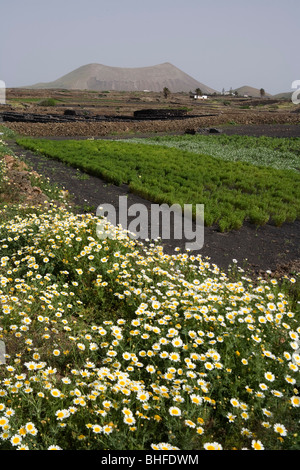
pixel 47 102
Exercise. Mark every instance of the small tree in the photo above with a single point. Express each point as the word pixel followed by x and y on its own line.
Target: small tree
pixel 262 92
pixel 198 92
pixel 166 92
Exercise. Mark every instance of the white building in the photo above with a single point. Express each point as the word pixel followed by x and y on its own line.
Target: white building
pixel 200 97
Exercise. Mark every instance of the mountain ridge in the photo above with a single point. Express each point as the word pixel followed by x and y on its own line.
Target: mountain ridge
pixel 99 77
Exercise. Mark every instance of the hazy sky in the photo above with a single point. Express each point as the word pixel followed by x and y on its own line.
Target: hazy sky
pixel 221 43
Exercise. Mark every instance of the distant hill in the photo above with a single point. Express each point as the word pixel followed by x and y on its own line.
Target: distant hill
pixel 250 91
pixel 284 96
pixel 101 77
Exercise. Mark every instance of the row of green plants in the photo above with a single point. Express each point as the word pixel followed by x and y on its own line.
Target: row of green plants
pixel 232 191
pixel 280 153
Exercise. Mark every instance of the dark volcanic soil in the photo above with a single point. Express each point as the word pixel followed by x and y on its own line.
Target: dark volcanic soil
pixel 257 249
pixel 268 130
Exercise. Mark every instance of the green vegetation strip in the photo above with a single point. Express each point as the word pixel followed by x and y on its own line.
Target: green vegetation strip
pixel 232 191
pixel 280 153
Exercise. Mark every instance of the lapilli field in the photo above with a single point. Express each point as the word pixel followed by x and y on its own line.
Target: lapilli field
pixel 113 344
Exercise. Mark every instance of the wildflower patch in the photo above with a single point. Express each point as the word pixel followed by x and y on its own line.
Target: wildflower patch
pixel 113 344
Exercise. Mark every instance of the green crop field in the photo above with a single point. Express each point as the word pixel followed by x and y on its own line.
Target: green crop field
pixel 237 179
pixel 280 153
